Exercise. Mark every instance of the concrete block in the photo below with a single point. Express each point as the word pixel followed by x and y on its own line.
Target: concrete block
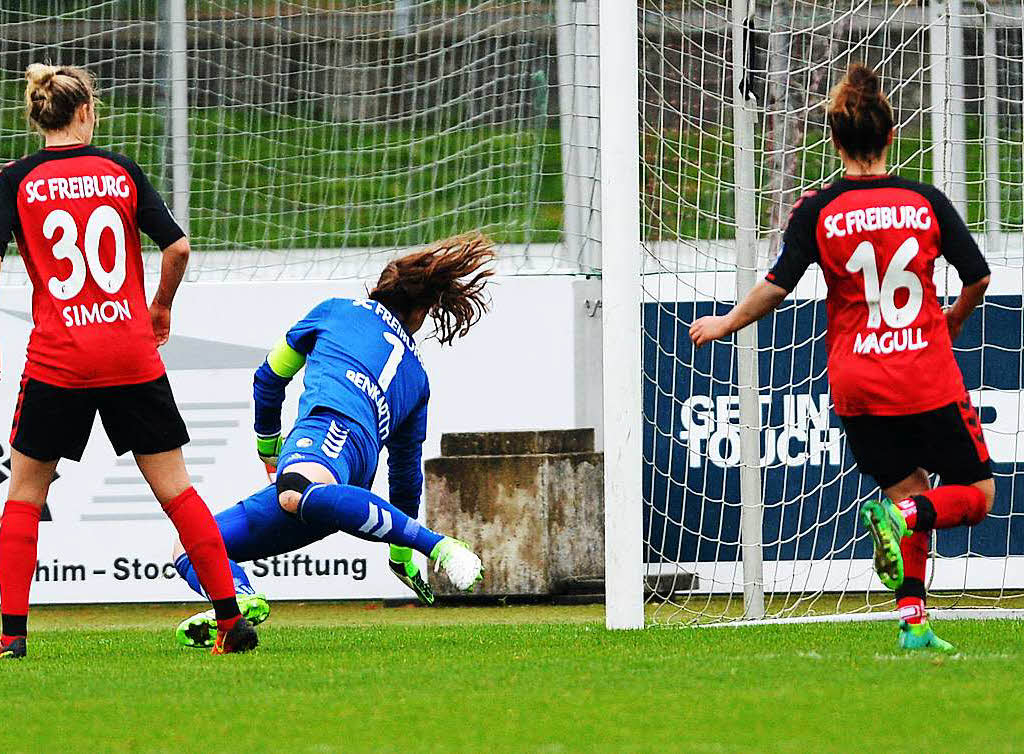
pixel 530 503
pixel 517 443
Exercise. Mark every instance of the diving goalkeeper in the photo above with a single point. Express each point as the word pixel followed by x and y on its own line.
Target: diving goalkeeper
pixel 364 389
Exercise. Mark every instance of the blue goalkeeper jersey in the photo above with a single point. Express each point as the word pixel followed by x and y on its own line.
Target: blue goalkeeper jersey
pixel 361 363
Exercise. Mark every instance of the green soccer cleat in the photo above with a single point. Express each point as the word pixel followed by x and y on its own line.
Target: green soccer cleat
pixel 400 563
pixel 460 564
pixel 887 527
pixel 921 636
pixel 200 631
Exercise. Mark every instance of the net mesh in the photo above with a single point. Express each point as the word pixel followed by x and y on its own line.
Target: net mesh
pixel 953 73
pixel 325 134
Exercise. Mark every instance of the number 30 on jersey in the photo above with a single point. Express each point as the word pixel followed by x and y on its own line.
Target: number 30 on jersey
pixel 102 219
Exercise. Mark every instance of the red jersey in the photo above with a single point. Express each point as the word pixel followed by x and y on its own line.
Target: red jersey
pixel 876 241
pixel 76 213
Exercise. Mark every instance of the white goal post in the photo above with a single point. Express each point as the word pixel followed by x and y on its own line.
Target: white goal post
pixel 621 296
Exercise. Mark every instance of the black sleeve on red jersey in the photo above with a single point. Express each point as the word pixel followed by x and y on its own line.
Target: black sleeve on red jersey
pixel 8 211
pixel 799 246
pixel 958 246
pixel 153 216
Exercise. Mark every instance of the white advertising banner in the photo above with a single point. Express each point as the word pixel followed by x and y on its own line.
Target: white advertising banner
pixel 104 537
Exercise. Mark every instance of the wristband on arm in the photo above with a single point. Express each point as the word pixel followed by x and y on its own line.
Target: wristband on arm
pixel 269 383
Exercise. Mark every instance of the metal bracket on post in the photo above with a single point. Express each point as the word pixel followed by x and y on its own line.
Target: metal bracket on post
pixel 748 381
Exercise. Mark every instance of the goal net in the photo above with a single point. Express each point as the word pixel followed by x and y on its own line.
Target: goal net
pixel 307 139
pixel 727 538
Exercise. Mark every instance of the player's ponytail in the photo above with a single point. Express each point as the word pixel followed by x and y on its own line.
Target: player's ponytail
pixel 54 93
pixel 447 279
pixel 859 114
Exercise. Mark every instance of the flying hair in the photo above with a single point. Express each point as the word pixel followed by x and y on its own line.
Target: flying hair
pixel 447 279
pixel 859 114
pixel 54 93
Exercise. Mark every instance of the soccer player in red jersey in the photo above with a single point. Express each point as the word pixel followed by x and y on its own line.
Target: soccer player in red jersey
pixel 76 212
pixel 894 381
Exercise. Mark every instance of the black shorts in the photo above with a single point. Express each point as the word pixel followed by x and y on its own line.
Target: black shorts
pixel 947 441
pixel 53 422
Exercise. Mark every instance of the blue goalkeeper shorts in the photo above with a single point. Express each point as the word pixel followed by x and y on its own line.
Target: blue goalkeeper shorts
pixel 335 441
pixel 257 527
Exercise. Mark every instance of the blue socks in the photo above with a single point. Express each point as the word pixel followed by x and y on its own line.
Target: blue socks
pixel 187 572
pixel 339 507
pixel 362 514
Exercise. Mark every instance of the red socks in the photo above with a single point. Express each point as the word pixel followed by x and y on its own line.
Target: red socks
pixel 908 507
pixel 941 508
pixel 911 609
pixel 957 505
pixel 944 507
pixel 19 532
pixel 205 548
pixel 915 549
pixel 915 560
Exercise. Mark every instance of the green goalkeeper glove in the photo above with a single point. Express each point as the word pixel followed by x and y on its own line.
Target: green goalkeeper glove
pixel 268 448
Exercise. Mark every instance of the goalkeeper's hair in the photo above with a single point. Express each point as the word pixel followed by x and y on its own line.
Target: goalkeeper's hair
pixel 53 93
pixel 859 114
pixel 447 279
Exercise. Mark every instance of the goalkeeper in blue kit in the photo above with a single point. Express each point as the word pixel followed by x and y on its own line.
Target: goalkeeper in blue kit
pixel 364 388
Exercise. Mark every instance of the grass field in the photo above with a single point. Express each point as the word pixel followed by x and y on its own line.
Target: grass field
pixel 331 677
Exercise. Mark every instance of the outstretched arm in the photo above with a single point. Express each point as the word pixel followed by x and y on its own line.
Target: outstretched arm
pixel 799 249
pixel 763 298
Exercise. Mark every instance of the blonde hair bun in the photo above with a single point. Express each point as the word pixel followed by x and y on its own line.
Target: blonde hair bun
pixel 53 93
pixel 38 76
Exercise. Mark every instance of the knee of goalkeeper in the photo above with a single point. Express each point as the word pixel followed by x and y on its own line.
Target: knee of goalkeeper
pixel 291 486
pixel 293 481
